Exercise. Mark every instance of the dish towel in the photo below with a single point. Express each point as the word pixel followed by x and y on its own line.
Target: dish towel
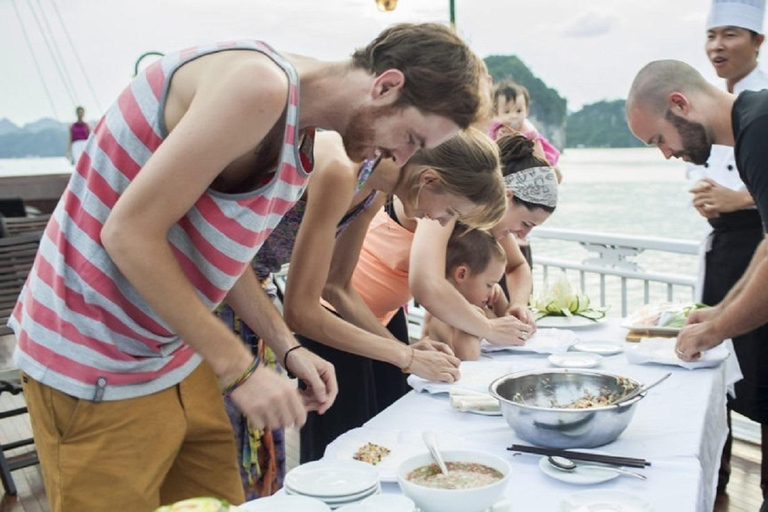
pixel 662 351
pixel 475 376
pixel 545 341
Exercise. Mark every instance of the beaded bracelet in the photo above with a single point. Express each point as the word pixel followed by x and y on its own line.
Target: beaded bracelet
pixel 407 368
pixel 285 361
pixel 244 377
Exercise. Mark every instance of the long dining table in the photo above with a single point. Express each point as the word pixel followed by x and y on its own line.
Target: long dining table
pixel 680 427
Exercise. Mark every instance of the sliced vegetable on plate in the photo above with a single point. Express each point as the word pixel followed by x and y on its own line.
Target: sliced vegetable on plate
pixel 564 299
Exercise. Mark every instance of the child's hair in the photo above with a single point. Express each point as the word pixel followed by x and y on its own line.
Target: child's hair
pixel 473 248
pixel 510 91
pixel 468 166
pixel 516 153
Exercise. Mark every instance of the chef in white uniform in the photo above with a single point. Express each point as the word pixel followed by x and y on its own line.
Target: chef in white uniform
pixel 734 37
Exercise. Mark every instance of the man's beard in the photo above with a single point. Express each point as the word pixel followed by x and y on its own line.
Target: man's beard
pixel 360 135
pixel 696 144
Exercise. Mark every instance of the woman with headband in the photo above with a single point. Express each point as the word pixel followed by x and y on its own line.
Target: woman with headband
pixel 531 198
pixel 381 279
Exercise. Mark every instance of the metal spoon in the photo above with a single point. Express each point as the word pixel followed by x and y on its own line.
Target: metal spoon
pixel 569 466
pixel 431 441
pixel 640 389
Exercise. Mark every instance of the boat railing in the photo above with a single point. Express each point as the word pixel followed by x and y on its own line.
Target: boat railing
pixel 610 262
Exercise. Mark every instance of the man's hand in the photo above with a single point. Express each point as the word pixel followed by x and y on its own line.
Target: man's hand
pixel 319 377
pixel 696 338
pixel 270 400
pixel 703 315
pixel 712 199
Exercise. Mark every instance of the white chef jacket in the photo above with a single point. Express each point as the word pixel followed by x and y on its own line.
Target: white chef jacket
pixel 721 166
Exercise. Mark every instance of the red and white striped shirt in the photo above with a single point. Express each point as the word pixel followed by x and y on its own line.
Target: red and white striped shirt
pixel 81 326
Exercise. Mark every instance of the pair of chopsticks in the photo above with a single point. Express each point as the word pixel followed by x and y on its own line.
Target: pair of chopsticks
pixel 591 457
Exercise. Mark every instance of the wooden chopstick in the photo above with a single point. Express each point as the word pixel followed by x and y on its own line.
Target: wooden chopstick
pixel 591 457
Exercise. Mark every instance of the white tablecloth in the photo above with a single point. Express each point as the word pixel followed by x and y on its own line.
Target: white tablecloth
pixel 680 427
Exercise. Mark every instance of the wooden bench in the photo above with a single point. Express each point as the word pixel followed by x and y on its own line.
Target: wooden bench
pixel 17 254
pixel 20 225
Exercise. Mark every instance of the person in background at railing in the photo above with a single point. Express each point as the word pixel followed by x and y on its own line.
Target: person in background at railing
pixel 672 107
pixel 531 198
pixel 734 38
pixel 79 131
pixel 475 264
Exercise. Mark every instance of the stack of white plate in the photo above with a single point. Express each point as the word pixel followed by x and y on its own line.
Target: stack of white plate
pixel 335 482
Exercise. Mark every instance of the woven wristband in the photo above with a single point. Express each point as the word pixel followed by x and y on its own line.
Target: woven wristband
pixel 285 361
pixel 244 377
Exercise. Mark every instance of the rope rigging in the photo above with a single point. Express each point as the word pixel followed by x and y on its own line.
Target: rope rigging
pixel 45 27
pixel 56 63
pixel 58 52
pixel 77 56
pixel 34 59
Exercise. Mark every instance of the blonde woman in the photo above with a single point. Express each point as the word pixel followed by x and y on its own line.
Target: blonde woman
pixel 458 179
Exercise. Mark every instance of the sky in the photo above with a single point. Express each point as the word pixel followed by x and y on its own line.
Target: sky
pixel 588 50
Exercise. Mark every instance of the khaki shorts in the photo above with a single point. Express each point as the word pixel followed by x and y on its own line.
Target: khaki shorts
pixel 134 455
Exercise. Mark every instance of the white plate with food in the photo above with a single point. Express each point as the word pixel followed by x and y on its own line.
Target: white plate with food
pixel 567 322
pixel 582 475
pixel 603 348
pixel 660 318
pixel 576 360
pixel 604 500
pixel 391 448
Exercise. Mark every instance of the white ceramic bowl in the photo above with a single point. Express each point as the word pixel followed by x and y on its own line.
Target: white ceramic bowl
pixel 430 499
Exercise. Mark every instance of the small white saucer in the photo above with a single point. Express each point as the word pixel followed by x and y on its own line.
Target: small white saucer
pixel 604 500
pixel 576 360
pixel 581 476
pixel 604 348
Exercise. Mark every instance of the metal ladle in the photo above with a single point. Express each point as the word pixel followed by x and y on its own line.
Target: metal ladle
pixel 567 465
pixel 431 441
pixel 639 390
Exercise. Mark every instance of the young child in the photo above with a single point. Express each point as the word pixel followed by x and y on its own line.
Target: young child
pixel 511 106
pixel 475 263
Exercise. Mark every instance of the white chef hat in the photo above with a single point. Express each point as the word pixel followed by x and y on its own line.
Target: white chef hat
pixel 746 14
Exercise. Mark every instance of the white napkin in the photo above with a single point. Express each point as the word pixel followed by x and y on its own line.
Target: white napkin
pixel 662 351
pixel 475 376
pixel 545 341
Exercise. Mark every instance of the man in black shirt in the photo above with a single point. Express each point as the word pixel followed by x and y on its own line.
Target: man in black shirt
pixel 672 107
